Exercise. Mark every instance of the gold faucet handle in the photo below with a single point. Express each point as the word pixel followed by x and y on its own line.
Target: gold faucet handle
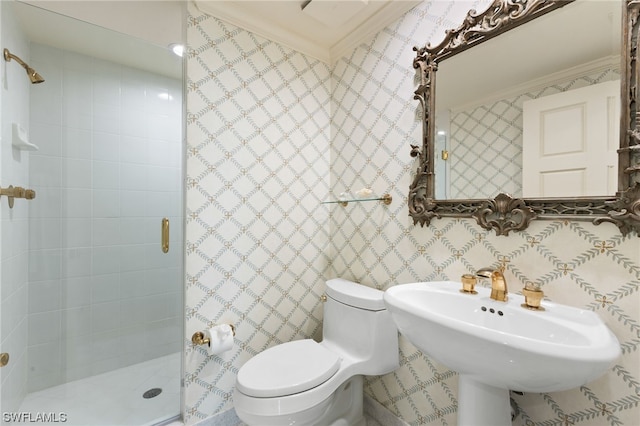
pixel 29 194
pixel 468 283
pixel 532 297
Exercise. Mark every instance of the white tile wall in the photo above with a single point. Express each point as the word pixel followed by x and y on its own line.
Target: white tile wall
pixel 101 294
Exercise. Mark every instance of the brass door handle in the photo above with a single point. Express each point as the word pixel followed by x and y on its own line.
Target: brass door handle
pixel 165 235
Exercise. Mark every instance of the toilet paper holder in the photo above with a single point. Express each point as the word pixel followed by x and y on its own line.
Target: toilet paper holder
pixel 200 338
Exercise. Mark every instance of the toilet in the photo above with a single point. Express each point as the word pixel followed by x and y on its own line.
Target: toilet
pixel 308 383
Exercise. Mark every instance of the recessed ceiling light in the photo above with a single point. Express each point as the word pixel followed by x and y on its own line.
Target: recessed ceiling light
pixel 176 48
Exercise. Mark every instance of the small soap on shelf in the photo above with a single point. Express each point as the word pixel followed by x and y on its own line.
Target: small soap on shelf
pixel 364 193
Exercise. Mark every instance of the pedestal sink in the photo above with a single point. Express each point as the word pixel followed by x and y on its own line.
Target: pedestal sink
pixel 500 346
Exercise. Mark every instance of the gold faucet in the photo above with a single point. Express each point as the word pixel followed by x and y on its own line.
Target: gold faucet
pixel 498 283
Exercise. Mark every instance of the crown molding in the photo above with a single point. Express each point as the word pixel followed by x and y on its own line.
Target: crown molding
pixel 386 16
pixel 307 44
pixel 257 25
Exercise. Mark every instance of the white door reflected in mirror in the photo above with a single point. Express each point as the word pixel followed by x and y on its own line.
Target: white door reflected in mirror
pixel 570 141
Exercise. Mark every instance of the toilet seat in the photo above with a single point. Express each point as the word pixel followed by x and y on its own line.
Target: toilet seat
pixel 287 369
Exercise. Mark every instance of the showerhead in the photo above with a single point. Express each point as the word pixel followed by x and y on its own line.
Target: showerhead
pixel 33 75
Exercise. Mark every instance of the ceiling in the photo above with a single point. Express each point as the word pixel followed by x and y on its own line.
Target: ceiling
pixel 323 29
pixel 133 33
pixel 579 36
pixel 120 30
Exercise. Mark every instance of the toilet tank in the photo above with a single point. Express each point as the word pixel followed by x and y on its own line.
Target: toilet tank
pixel 357 324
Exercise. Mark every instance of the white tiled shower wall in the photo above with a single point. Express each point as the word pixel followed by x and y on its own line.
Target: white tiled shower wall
pixel 102 295
pixel 249 274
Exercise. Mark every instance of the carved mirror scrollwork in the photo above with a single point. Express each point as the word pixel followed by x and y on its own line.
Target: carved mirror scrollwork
pixel 506 213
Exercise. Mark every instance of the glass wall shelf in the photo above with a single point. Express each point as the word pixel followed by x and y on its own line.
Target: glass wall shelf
pixel 386 199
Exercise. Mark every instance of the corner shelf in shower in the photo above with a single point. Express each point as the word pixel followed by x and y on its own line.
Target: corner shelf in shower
pixel 386 200
pixel 20 140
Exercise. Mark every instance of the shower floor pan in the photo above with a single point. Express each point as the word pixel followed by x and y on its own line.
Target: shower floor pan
pixel 127 396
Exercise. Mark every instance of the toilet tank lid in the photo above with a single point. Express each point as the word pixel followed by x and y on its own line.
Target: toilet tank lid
pixel 355 294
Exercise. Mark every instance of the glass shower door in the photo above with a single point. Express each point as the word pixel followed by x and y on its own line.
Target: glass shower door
pixel 91 298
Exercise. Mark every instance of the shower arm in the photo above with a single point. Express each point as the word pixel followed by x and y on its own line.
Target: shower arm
pixel 33 75
pixel 8 56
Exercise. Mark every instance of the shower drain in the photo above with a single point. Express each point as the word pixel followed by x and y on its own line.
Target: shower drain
pixel 151 393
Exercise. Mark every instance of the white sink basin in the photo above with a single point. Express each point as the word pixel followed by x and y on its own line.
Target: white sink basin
pixel 501 345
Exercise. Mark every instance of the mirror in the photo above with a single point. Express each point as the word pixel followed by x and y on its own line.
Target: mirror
pixel 534 114
pixel 482 117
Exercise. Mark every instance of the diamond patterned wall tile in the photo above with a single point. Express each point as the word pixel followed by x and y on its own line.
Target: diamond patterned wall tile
pixel 257 169
pixel 272 133
pixel 577 264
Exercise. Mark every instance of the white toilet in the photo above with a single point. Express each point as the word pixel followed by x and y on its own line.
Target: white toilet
pixel 308 383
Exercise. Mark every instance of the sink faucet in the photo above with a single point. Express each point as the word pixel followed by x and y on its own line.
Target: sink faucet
pixel 498 283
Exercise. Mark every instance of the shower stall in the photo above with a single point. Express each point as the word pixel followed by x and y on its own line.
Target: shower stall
pixel 91 260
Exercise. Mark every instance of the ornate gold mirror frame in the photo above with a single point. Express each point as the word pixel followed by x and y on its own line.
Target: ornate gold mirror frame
pixel 504 213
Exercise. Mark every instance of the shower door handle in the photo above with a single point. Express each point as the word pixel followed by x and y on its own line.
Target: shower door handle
pixel 165 235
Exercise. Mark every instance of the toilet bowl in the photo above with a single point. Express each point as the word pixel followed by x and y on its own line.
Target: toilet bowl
pixel 309 383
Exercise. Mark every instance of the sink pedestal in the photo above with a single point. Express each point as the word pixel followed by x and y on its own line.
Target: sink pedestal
pixel 480 404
